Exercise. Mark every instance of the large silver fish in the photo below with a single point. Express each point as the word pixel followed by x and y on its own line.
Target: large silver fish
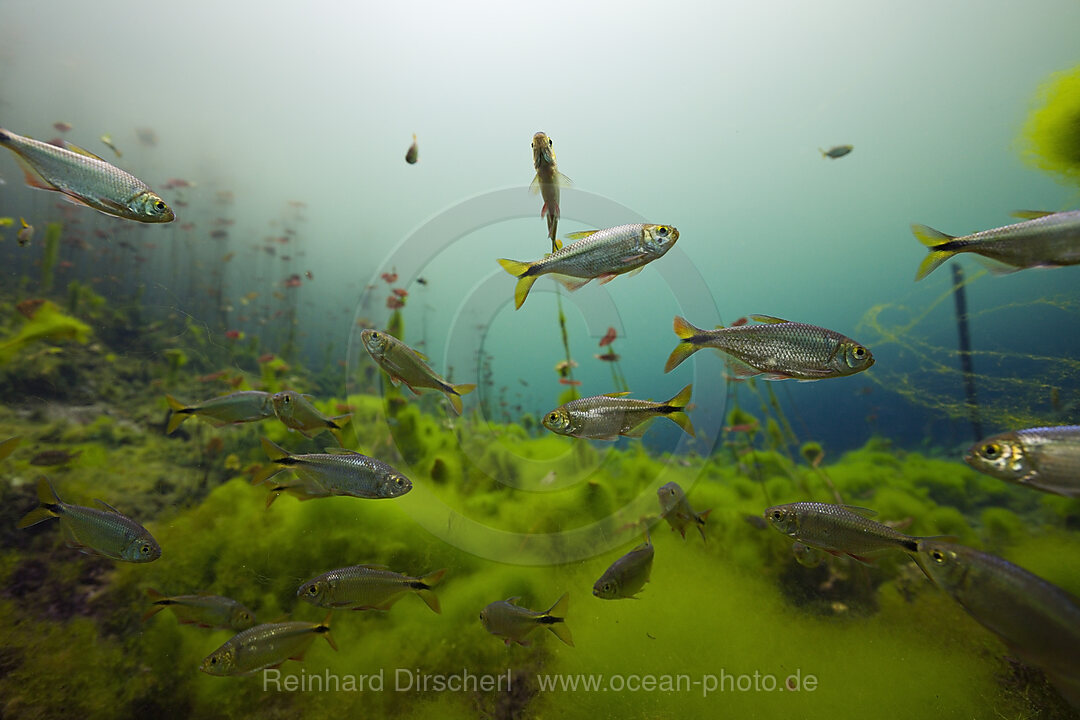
pixel 85 179
pixel 238 407
pixel 514 623
pixel 204 610
pixel 264 646
pixel 405 365
pixel 368 587
pixel 339 472
pixel 838 529
pixel 1038 621
pixel 547 182
pixel 777 349
pixel 1045 458
pixel 602 254
pixel 606 417
pixel 627 575
pixel 1046 240
pixel 96 532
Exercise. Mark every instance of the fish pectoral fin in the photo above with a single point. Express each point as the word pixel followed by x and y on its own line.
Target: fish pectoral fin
pixel 414 390
pixel 107 506
pixel 636 432
pixel 633 258
pixel 81 151
pixel 562 180
pixel 861 558
pixel 395 381
pixel 534 186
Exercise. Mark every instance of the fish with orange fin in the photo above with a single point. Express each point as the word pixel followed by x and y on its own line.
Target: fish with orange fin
pixel 547 182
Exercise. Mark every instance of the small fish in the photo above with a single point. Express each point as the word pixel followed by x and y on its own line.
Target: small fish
pixel 1045 458
pixel 838 529
pixel 62 126
pixel 809 557
pixel 514 623
pixel 405 365
pixel 368 587
pixel 207 611
pixel 1046 240
pixel 107 140
pixel 413 153
pixel 627 575
pixel 85 179
pixel 297 413
pixel 8 446
pixel 547 182
pixel 837 151
pixel 609 337
pixel 1038 621
pixel 675 508
pixel 107 532
pixel 48 458
pixel 338 471
pixel 606 417
pixel 237 407
pixel 603 254
pixel 25 234
pixel 778 349
pixel 265 646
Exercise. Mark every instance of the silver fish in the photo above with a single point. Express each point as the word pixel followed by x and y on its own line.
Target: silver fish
pixel 514 623
pixel 238 407
pixel 209 611
pixel 297 413
pixel 777 349
pixel 405 365
pixel 264 646
pixel 837 529
pixel 368 587
pixel 602 254
pixel 339 472
pixel 547 182
pixel 1046 240
pixel 675 508
pixel 627 575
pixel 1045 458
pixel 836 151
pixel 85 179
pixel 606 417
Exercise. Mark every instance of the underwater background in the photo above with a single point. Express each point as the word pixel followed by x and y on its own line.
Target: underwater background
pixel 277 133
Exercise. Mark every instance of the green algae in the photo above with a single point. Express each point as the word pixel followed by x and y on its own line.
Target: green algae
pixel 1051 138
pixel 47 323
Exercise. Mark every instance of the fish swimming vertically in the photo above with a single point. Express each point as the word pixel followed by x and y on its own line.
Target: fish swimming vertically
pixel 338 472
pixel 265 646
pixel 107 532
pixel 1038 621
pixel 777 349
pixel 675 508
pixel 514 623
pixel 25 235
pixel 1045 240
pixel 838 529
pixel 606 417
pixel 204 610
pixel 405 365
pixel 547 182
pixel 238 407
pixel 836 151
pixel 368 587
pixel 413 154
pixel 85 179
pixel 602 254
pixel 297 413
pixel 1045 458
pixel 627 575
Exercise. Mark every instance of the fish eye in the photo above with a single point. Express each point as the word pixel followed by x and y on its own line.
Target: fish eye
pixel 213 661
pixel 312 590
pixel 776 514
pixel 145 549
pixel 160 205
pixel 938 556
pixel 553 417
pixel 661 231
pixel 991 450
pixel 859 352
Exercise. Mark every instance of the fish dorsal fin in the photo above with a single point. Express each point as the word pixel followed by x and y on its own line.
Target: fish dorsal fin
pixel 1031 214
pixel 617 394
pixel 372 566
pixel 768 319
pixel 581 235
pixel 513 600
pixel 339 451
pixel 107 506
pixel 865 512
pixel 81 151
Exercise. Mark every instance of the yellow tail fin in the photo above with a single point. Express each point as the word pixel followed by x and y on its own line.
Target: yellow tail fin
pixel 454 393
pixel 679 417
pixel 686 347
pixel 555 619
pixel 932 239
pixel 431 580
pixel 518 270
pixel 180 413
pixel 46 510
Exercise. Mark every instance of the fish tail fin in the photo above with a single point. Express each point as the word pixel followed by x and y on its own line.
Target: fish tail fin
pixel 276 455
pixel 46 510
pixel 338 433
pixel 180 413
pixel 933 239
pixel 454 393
pixel 675 410
pixel 525 282
pixel 701 524
pixel 8 446
pixel 429 581
pixel 274 452
pixel 555 619
pixel 323 629
pixel 686 347
pixel 158 606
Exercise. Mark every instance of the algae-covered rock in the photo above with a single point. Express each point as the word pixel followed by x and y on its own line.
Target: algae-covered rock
pixel 45 323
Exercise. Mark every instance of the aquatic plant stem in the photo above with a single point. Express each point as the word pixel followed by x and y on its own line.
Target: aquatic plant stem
pixel 965 350
pixel 566 344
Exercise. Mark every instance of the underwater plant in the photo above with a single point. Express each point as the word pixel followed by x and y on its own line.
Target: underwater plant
pixel 1051 135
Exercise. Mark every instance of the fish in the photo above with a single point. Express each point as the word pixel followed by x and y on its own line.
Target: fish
pixel 603 254
pixel 62 126
pixel 107 140
pixel 297 413
pixel 1038 621
pixel 838 529
pixel 338 471
pixel 85 179
pixel 1044 458
pixel 776 349
pixel 514 623
pixel 547 182
pixel 204 610
pixel 606 417
pixel 368 587
pixel 809 557
pixel 25 234
pixel 8 446
pixel 609 337
pixel 675 508
pixel 302 488
pixel 405 365
pixel 626 577
pixel 836 151
pixel 238 407
pixel 413 153
pixel 107 533
pixel 49 458
pixel 265 646
pixel 1045 240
